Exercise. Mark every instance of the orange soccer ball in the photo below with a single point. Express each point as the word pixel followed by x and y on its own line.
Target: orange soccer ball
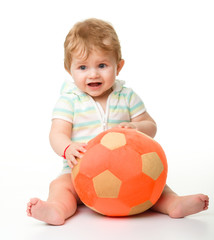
pixel 123 172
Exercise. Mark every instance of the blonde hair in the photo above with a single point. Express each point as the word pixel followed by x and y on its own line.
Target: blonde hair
pixel 89 35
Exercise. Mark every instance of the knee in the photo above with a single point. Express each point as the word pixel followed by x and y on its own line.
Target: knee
pixel 56 183
pixel 61 183
pixel 53 184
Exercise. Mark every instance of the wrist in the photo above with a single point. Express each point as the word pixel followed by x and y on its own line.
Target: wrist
pixel 64 153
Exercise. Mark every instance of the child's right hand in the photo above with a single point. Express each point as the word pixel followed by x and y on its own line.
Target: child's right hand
pixel 74 151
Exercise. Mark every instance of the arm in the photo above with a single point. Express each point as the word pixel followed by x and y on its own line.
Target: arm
pixel 143 123
pixel 60 138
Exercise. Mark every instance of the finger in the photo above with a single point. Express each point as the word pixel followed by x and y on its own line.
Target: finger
pixel 71 163
pixel 129 126
pixel 122 124
pixel 81 149
pixel 84 144
pixel 73 160
pixel 76 153
pixel 73 152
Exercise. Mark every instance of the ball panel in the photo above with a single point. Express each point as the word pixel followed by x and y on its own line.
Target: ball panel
pixel 111 207
pixel 135 140
pixel 85 189
pixel 124 163
pixel 106 185
pixel 141 208
pixel 136 190
pixel 113 140
pixel 95 161
pixel 152 165
pixel 158 187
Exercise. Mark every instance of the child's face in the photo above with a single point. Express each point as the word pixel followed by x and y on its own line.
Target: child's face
pixel 96 74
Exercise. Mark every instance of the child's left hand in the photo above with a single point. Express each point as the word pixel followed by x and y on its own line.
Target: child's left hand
pixel 127 125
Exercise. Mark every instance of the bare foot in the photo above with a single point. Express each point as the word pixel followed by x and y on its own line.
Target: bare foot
pixel 187 205
pixel 48 212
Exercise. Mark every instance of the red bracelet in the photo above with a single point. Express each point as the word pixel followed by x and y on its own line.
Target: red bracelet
pixel 65 151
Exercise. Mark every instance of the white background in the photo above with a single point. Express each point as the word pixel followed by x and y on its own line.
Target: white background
pixel 169 53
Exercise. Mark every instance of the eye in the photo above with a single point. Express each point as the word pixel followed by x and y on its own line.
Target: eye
pixel 102 65
pixel 82 67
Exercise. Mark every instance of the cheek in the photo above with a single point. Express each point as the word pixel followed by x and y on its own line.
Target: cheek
pixel 112 73
pixel 78 76
pixel 79 80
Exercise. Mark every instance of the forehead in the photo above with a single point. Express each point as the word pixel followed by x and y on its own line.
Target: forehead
pixel 94 54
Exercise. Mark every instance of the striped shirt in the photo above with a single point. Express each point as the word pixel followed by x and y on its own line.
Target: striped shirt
pixel 87 116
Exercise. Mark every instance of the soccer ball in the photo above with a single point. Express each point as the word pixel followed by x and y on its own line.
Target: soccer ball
pixel 123 172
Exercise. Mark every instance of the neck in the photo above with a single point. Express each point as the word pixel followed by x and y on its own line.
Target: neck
pixel 103 97
pixel 102 100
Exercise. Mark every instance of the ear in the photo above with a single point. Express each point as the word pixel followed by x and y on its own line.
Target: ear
pixel 120 66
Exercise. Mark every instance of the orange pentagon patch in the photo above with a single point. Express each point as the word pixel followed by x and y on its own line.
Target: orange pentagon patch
pixel 152 165
pixel 113 140
pixel 106 185
pixel 140 208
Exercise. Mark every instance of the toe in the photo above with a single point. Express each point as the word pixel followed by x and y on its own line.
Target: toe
pixel 28 211
pixel 206 205
pixel 34 201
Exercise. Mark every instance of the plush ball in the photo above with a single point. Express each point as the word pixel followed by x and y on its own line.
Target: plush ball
pixel 123 172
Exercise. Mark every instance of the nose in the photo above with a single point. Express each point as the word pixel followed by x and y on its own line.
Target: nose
pixel 93 73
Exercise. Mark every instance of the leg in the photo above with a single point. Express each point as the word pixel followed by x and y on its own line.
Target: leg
pixel 180 206
pixel 60 205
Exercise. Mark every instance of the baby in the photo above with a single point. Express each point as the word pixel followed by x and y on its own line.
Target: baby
pixel 95 102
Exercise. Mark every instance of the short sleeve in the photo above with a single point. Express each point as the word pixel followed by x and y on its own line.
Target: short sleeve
pixel 136 105
pixel 64 109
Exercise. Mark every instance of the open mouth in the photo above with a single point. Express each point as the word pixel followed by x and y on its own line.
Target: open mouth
pixel 94 84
